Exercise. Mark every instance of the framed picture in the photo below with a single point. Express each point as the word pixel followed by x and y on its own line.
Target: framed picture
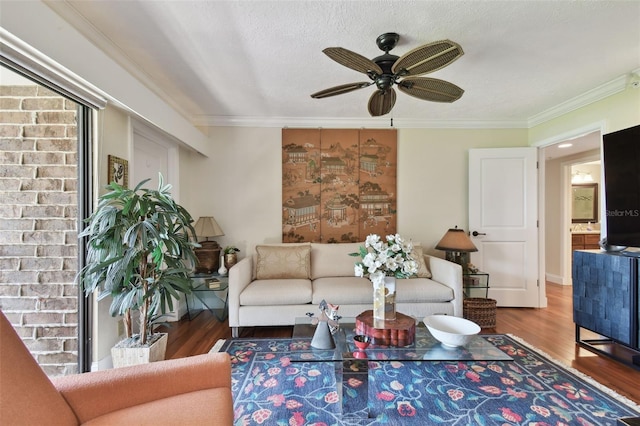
pixel 118 171
pixel 584 203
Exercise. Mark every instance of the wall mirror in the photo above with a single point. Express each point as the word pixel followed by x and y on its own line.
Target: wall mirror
pixel 584 203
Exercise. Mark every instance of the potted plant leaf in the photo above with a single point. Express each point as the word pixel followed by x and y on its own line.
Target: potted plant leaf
pixel 140 253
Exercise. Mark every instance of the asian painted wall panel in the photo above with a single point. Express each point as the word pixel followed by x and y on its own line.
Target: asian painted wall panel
pixel 300 185
pixel 338 185
pixel 378 166
pixel 339 198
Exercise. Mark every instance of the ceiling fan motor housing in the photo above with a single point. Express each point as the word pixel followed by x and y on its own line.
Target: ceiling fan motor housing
pixel 387 78
pixel 384 81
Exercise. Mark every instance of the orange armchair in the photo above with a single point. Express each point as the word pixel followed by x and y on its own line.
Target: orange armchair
pixel 187 391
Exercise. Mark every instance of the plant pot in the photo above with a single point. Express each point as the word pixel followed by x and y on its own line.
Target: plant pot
pixel 208 258
pixel 230 259
pixel 124 354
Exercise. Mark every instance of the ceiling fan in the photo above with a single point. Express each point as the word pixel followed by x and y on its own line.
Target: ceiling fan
pixel 387 70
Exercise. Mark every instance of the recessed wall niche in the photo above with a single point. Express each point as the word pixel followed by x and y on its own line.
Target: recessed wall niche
pixel 338 185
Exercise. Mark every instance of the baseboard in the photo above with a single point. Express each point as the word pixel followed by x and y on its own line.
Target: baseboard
pixel 102 364
pixel 556 279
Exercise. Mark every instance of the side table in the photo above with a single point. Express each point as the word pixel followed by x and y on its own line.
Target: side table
pixel 203 283
pixel 474 283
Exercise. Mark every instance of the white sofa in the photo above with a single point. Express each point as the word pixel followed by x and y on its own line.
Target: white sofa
pixel 281 282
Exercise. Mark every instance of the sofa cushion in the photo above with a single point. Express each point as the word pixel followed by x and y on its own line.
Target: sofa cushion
pixel 333 260
pixel 342 290
pixel 422 290
pixel 276 292
pixel 418 255
pixel 283 261
pixel 193 408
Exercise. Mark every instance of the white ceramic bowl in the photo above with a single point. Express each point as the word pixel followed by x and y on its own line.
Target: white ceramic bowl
pixel 451 331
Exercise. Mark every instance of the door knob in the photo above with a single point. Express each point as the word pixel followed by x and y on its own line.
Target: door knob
pixel 476 233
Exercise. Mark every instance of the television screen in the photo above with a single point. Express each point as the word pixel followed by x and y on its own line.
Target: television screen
pixel 621 151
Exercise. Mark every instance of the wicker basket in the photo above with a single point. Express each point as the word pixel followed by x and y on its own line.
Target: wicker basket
pixel 481 311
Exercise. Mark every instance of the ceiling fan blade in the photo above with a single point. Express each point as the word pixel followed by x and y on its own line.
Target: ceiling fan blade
pixel 430 89
pixel 339 90
pixel 427 58
pixel 352 60
pixel 381 102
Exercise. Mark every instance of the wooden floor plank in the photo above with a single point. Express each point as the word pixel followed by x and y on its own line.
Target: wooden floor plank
pixel 551 330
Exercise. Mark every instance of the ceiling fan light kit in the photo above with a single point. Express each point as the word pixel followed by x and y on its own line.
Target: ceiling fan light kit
pixel 387 70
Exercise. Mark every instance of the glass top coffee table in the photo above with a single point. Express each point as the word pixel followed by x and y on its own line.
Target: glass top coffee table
pixel 424 348
pixel 349 360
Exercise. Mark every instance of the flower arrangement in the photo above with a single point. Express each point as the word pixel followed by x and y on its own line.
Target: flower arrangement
pixel 391 258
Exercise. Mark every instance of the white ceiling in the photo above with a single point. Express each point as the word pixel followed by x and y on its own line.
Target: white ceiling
pixel 257 62
pixel 573 146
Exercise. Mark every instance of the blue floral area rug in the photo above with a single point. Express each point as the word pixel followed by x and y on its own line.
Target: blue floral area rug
pixel 270 389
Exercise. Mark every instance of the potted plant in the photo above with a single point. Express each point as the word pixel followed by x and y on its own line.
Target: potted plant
pixel 139 252
pixel 230 256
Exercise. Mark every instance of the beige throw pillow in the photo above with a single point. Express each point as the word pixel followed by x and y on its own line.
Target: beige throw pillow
pixel 423 271
pixel 283 261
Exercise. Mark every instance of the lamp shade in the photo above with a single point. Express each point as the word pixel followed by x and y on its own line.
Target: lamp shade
pixel 206 226
pixel 456 240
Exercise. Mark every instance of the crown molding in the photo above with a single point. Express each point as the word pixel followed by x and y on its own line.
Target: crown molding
pixel 333 122
pixel 593 95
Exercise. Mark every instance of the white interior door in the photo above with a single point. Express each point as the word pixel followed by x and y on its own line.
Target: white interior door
pixel 503 222
pixel 149 159
pixel 153 153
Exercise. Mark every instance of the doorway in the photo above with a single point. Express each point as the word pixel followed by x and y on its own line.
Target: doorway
pixel 560 157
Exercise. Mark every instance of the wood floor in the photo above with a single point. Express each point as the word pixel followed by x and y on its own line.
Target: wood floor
pixel 550 330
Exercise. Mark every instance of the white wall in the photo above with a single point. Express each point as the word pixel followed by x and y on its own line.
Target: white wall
pixel 113 138
pixel 240 185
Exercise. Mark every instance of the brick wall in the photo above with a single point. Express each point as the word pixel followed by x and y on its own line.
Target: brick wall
pixel 38 222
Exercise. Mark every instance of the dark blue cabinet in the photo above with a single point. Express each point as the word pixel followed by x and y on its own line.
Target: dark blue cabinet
pixel 605 297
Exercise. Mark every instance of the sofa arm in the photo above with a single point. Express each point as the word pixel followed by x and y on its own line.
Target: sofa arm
pixel 449 274
pixel 94 394
pixel 240 276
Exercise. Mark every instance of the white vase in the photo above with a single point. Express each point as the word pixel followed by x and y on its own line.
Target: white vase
pixel 222 271
pixel 384 299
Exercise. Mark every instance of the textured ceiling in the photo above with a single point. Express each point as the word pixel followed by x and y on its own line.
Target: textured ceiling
pixel 253 62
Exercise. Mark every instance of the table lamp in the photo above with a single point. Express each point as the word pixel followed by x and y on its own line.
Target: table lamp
pixel 457 246
pixel 209 254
